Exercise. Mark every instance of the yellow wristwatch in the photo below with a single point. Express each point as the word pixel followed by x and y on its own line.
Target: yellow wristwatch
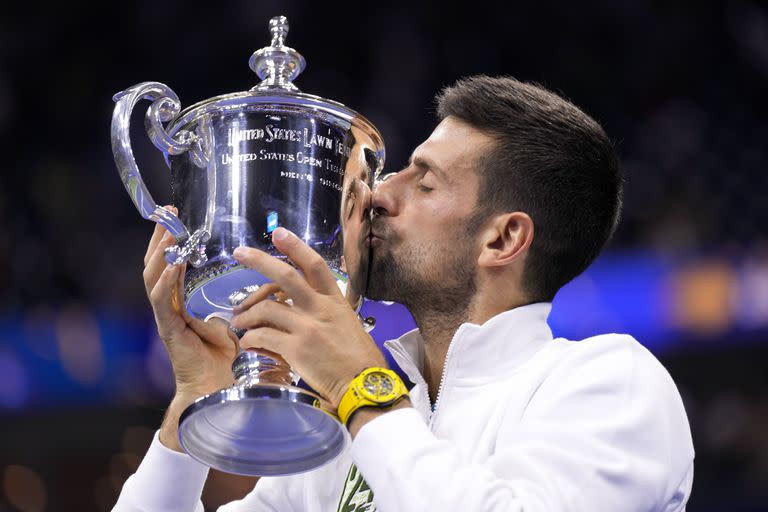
pixel 373 387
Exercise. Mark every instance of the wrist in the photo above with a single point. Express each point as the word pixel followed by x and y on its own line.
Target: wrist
pixel 341 390
pixel 366 414
pixel 169 429
pixel 169 433
pixel 374 387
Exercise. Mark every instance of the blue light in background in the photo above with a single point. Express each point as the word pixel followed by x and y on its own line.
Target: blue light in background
pixel 14 384
pixel 623 293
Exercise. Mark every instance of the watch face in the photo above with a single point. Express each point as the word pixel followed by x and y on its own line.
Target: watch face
pixel 378 385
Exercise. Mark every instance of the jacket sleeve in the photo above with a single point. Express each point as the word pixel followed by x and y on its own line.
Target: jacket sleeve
pixel 166 481
pixel 606 430
pixel 169 481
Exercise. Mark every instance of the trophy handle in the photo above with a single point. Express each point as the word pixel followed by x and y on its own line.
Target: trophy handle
pixel 165 107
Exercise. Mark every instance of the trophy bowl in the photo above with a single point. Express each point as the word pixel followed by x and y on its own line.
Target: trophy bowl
pixel 241 165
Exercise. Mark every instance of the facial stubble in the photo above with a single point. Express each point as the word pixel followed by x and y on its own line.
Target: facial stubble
pixel 428 281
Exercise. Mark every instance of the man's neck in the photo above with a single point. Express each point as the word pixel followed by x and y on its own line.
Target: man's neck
pixel 437 331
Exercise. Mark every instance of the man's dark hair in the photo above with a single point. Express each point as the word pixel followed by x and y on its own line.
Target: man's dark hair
pixel 551 161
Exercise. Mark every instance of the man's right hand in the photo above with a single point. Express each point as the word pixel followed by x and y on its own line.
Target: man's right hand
pixel 201 353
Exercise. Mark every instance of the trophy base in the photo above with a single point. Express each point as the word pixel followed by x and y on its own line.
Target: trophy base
pixel 261 430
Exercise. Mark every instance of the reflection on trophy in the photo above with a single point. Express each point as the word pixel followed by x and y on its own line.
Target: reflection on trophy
pixel 243 164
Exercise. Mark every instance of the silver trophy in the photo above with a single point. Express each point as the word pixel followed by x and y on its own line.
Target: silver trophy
pixel 243 164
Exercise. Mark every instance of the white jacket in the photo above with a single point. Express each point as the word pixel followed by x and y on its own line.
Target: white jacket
pixel 522 422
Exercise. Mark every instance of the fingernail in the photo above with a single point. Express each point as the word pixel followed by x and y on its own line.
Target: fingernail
pixel 166 236
pixel 220 316
pixel 280 234
pixel 240 252
pixel 234 321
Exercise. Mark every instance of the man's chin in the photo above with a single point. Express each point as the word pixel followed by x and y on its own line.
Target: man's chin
pixel 380 287
pixel 385 277
pixel 388 287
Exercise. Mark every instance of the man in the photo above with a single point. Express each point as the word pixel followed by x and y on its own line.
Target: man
pixel 513 195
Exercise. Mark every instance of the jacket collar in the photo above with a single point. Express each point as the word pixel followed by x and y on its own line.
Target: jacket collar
pixel 481 353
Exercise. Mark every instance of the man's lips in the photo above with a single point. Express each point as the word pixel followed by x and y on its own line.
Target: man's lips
pixel 373 240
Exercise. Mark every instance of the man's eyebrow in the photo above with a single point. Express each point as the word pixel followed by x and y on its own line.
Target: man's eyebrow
pixel 424 163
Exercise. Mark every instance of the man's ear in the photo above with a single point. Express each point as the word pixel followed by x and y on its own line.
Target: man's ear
pixel 506 239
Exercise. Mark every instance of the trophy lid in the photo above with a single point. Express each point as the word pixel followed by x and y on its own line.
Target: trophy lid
pixel 277 66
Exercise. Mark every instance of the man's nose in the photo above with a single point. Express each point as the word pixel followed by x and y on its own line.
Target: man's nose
pixel 383 202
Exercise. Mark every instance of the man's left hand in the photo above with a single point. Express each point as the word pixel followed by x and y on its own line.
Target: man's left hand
pixel 320 335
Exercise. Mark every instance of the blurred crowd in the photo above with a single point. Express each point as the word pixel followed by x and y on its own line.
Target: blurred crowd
pixel 680 90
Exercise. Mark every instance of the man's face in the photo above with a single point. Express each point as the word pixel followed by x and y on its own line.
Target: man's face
pixel 423 243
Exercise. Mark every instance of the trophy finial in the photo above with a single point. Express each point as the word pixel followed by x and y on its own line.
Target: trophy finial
pixel 279 27
pixel 277 65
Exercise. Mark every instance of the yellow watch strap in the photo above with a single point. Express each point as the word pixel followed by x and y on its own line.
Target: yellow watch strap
pixel 353 399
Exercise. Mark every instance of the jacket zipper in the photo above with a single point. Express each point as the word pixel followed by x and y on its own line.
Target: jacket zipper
pixel 419 379
pixel 433 413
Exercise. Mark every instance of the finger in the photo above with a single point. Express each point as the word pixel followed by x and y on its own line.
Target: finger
pixel 259 295
pixel 156 264
pixel 279 272
pixel 268 313
pixel 268 338
pixel 280 360
pixel 313 265
pixel 162 295
pixel 157 235
pixel 215 332
pixel 180 293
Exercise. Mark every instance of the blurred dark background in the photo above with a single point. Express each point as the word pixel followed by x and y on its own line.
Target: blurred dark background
pixel 680 86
